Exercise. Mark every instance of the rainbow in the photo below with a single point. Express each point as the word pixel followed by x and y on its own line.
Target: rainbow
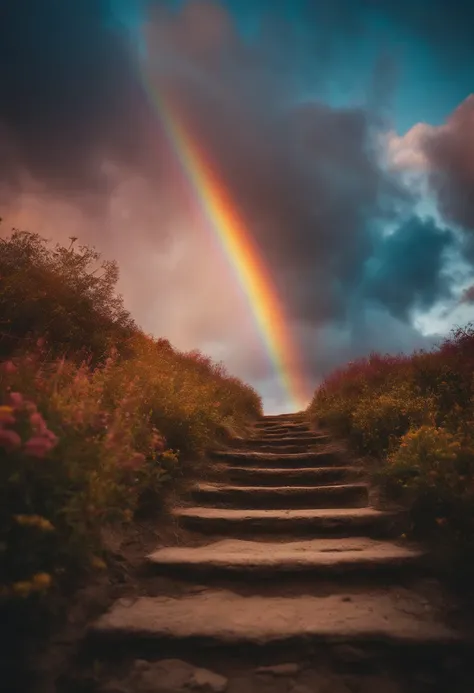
pixel 238 245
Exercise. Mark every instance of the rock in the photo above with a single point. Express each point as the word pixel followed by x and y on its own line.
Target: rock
pixel 208 681
pixel 167 676
pixel 159 677
pixel 301 688
pixel 280 669
pixel 350 654
pixel 141 664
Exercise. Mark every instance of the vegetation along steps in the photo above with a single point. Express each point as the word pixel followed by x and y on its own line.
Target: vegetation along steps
pixel 276 514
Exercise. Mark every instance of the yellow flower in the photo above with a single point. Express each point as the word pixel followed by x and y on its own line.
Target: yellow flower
pixel 34 521
pixel 98 563
pixel 41 581
pixel 45 525
pixel 6 410
pixel 22 589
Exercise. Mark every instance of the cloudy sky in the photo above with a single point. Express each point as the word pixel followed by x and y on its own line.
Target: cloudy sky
pixel 343 131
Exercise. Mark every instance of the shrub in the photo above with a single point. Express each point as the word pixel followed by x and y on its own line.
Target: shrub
pixel 66 295
pixel 85 442
pixel 415 416
pixel 435 470
pixel 379 420
pixel 83 447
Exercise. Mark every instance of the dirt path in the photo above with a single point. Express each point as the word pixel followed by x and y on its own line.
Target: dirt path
pixel 290 582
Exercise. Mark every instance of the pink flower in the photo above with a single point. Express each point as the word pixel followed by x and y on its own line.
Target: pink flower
pixel 38 423
pixel 9 367
pixel 9 439
pixel 38 446
pixel 16 399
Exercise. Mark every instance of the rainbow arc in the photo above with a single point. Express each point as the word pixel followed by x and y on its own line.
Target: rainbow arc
pixel 239 247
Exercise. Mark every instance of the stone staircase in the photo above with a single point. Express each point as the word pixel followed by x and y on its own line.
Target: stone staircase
pixel 289 556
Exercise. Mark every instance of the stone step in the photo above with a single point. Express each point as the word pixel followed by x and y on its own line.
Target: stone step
pixel 281 445
pixel 321 458
pixel 285 433
pixel 319 557
pixel 265 427
pixel 221 618
pixel 284 441
pixel 315 522
pixel 338 496
pixel 278 418
pixel 288 476
pixel 292 449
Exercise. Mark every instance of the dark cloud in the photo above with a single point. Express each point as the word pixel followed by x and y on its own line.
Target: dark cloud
pixel 406 271
pixel 69 97
pixel 450 154
pixel 306 179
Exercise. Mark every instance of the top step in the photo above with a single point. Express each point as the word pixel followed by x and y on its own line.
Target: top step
pixel 282 418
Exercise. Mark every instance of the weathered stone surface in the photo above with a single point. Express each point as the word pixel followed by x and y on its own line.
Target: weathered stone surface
pixel 349 653
pixel 317 555
pixel 207 681
pixel 289 669
pixel 222 617
pixel 320 458
pixel 303 439
pixel 165 676
pixel 352 495
pixel 314 521
pixel 289 475
pixel 272 448
pixel 274 427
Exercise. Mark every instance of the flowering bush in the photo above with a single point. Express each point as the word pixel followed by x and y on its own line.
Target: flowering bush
pixel 416 416
pixel 81 447
pixel 380 419
pixel 96 421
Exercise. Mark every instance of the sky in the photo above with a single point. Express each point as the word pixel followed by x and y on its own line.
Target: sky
pixel 342 131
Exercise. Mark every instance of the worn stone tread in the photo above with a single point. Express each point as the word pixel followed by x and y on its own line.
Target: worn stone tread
pixel 351 494
pixel 322 458
pixel 223 618
pixel 288 475
pixel 318 555
pixel 282 425
pixel 315 521
pixel 306 440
